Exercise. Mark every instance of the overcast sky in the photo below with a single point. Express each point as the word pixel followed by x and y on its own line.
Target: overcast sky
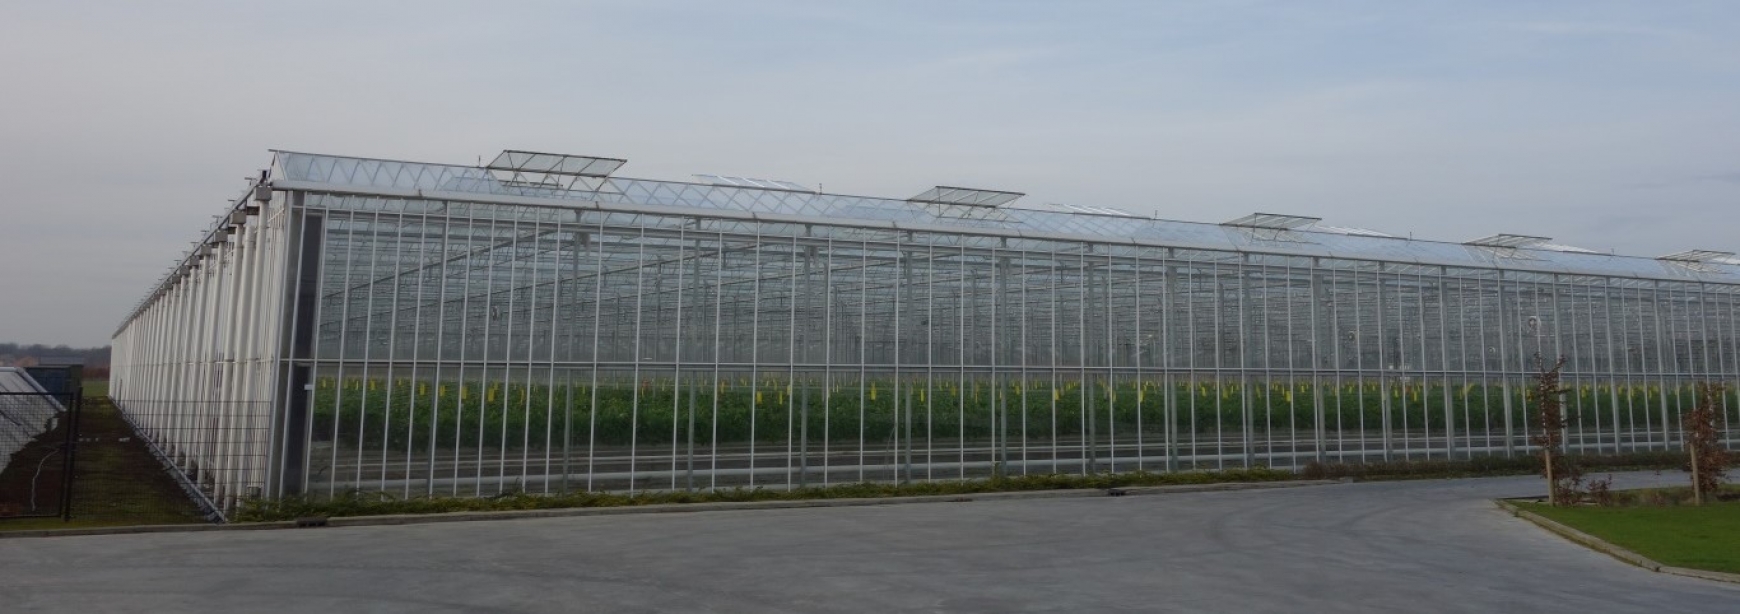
pixel 125 126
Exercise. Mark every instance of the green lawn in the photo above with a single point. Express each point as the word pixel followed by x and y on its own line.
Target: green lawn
pixel 1706 537
pixel 95 388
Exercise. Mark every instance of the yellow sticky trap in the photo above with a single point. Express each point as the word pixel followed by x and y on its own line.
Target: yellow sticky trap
pixel 1055 395
pixel 758 396
pixel 462 393
pixel 873 392
pixel 1139 395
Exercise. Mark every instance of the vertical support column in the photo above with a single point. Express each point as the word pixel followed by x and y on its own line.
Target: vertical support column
pixel 1000 388
pixel 1320 433
pixel 1443 287
pixel 1504 321
pixel 1167 308
pixel 1384 367
pixel 1662 338
pixel 290 446
pixel 802 340
pixel 902 396
pixel 1247 419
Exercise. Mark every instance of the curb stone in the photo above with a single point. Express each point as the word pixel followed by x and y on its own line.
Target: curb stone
pixel 1608 548
pixel 661 508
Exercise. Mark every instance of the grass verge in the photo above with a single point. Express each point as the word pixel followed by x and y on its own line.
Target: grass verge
pixel 1699 537
pixel 362 503
pixel 374 503
pixel 1490 466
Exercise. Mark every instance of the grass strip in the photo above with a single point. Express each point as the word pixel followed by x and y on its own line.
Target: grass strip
pixel 1489 466
pixel 367 503
pixel 1699 537
pixel 357 503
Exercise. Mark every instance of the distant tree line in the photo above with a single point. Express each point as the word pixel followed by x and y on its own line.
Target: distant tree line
pixel 25 355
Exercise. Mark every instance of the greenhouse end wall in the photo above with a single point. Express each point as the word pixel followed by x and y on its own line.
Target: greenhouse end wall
pixel 196 366
pixel 429 329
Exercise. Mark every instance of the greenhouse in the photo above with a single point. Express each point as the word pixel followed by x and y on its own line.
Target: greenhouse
pixel 540 324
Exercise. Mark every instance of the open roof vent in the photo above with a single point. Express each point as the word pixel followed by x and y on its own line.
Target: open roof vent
pixel 1699 260
pixel 1510 241
pixel 971 197
pixel 749 182
pixel 1082 209
pixel 531 169
pixel 1273 226
pixel 965 203
pixel 1509 246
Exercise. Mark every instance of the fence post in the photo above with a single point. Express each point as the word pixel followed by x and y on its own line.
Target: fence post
pixel 75 405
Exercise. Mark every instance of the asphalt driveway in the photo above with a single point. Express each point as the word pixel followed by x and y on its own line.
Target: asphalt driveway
pixel 1437 546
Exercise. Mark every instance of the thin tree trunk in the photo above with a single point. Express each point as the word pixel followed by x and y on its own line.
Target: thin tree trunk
pixel 1697 479
pixel 1552 486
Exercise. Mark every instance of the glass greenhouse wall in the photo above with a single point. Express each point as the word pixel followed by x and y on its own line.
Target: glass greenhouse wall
pixel 537 324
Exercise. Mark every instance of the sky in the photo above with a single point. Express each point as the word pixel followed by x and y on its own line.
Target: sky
pixel 1613 126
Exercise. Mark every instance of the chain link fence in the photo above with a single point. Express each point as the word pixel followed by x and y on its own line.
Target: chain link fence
pixel 38 437
pixel 72 459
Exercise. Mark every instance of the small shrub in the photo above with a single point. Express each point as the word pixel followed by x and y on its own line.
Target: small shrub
pixel 1659 498
pixel 1601 491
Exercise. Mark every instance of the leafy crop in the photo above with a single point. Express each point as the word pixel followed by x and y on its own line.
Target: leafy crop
pixel 402 414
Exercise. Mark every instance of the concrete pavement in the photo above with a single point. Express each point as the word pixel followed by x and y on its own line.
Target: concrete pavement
pixel 1437 546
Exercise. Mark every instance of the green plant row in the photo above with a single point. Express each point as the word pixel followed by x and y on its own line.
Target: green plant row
pixel 361 503
pixel 400 414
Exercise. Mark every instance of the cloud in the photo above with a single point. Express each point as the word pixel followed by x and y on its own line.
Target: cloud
pixel 1733 177
pixel 1573 28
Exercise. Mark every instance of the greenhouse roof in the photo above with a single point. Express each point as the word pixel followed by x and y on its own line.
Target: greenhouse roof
pixel 941 208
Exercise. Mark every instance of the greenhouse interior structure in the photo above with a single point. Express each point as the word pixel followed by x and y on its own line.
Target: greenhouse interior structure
pixel 540 324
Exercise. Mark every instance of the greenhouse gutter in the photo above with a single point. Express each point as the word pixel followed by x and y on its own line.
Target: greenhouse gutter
pixel 593 205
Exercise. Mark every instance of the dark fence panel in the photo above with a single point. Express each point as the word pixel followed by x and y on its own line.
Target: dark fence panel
pixel 38 443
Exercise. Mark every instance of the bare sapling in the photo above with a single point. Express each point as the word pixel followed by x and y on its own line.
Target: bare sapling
pixel 1563 476
pixel 1709 462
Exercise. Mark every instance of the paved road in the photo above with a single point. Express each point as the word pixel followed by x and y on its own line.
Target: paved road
pixel 1377 547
